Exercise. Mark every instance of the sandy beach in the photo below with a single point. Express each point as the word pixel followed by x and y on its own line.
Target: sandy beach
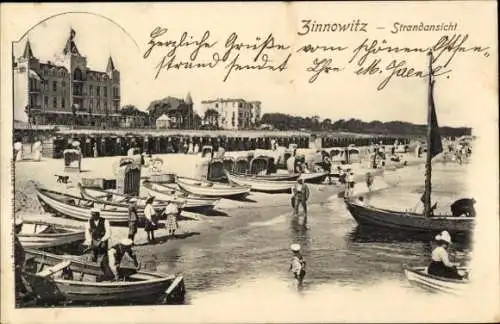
pixel 227 212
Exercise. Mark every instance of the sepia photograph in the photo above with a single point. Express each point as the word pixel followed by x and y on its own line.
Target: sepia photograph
pixel 249 162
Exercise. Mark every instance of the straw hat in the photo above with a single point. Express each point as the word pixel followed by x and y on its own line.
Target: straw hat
pixel 95 210
pixel 295 247
pixel 126 242
pixel 444 236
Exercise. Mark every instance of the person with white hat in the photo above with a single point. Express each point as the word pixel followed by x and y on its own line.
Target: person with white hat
pixel 440 264
pixel 110 263
pixel 298 265
pixel 97 233
pixel 132 218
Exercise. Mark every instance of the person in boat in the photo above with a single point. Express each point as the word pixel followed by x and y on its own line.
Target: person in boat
pixel 301 195
pixel 132 218
pixel 172 211
pixel 97 234
pixel 440 265
pixel 369 181
pixel 150 214
pixel 110 263
pixel 298 264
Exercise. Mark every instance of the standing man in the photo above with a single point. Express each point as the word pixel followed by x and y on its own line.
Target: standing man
pixel 97 234
pixel 132 218
pixel 301 193
pixel 110 263
pixel 150 214
pixel 298 265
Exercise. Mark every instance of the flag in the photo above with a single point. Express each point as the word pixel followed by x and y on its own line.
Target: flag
pixel 435 145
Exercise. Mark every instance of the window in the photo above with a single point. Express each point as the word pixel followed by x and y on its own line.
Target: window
pixel 105 90
pixel 54 86
pixel 91 104
pixel 91 90
pixel 45 102
pixel 117 107
pixel 63 103
pixel 98 90
pixel 105 106
pixel 216 105
pixel 63 84
pixel 98 105
pixel 54 102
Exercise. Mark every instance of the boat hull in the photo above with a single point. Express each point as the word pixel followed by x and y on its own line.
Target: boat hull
pixel 405 221
pixel 212 190
pixel 261 185
pixel 64 236
pixel 418 277
pixel 317 177
pixel 273 177
pixel 145 287
pixel 190 203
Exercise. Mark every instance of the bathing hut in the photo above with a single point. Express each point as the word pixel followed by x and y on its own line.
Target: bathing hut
pixel 262 165
pixel 353 155
pixel 216 170
pixel 72 160
pixel 207 151
pixel 128 177
pixel 228 162
pixel 241 165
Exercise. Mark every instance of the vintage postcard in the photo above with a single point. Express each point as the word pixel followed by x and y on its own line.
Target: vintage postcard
pixel 249 162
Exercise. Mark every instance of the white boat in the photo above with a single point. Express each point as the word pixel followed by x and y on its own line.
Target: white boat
pixel 314 177
pixel 418 276
pixel 165 192
pixel 213 189
pixel 260 185
pixel 39 234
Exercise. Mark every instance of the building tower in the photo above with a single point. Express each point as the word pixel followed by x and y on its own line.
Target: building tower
pixel 190 111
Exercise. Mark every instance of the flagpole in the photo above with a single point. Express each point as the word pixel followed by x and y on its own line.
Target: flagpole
pixel 428 164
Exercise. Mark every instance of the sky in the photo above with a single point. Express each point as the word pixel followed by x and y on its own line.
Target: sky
pixel 470 88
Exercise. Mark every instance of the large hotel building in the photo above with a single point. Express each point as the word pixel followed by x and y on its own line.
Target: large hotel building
pixel 66 92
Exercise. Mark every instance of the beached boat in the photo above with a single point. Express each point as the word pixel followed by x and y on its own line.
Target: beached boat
pixel 39 234
pixel 407 221
pixel 79 208
pixel 212 189
pixel 43 272
pixel 418 276
pixel 257 184
pixel 114 199
pixel 166 191
pixel 413 222
pixel 314 177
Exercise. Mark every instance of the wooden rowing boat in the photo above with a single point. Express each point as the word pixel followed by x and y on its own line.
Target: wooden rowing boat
pixel 260 185
pixel 39 234
pixel 79 208
pixel 271 177
pixel 315 177
pixel 418 276
pixel 43 272
pixel 119 200
pixel 407 221
pixel 212 189
pixel 166 192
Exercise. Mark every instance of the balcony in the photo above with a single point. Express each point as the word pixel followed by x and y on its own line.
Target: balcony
pixel 34 89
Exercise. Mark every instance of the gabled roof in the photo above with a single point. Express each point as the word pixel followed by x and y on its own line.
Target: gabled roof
pixel 111 66
pixel 70 47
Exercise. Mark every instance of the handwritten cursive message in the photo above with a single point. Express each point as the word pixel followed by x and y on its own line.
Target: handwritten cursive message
pixel 370 57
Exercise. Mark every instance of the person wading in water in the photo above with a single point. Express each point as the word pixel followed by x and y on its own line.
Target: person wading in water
pixel 298 265
pixel 300 196
pixel 110 263
pixel 97 233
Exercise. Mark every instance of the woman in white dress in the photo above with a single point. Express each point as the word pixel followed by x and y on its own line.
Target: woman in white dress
pixel 37 151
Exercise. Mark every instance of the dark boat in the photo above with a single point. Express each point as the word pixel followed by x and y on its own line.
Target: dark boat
pixel 415 222
pixel 44 273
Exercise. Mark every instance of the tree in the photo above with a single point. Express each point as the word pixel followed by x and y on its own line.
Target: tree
pixel 326 124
